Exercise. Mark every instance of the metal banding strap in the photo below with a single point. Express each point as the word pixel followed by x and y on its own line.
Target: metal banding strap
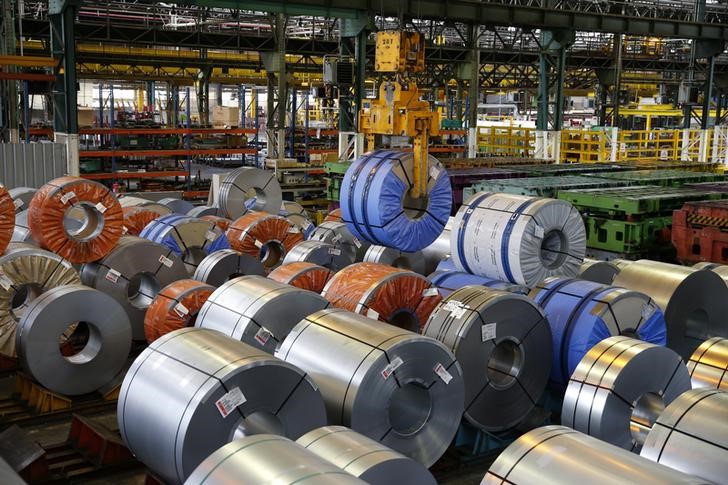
pixel 461 230
pixel 506 237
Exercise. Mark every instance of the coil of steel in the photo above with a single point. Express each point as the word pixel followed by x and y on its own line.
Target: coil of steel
pixel 189 238
pixel 137 217
pixel 338 234
pixel 557 455
pixel 257 310
pixel 294 212
pixel 582 313
pixel 449 281
pixel 177 206
pixel 377 206
pixel 333 216
pixel 400 297
pixel 266 237
pixel 268 459
pixel 175 306
pixel 307 276
pixel 620 387
pixel 133 273
pixel 395 258
pixel 364 458
pixel 597 271
pixel 691 435
pixel 202 210
pixel 7 218
pixel 319 253
pixel 517 238
pixel 249 188
pixel 130 201
pixel 21 197
pixel 502 342
pixel 226 264
pixel 235 391
pixel 103 351
pixel 220 222
pixel 400 388
pixel 708 365
pixel 21 231
pixel 439 250
pixel 695 302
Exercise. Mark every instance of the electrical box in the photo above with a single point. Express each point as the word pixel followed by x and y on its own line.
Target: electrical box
pixel 399 51
pixel 339 72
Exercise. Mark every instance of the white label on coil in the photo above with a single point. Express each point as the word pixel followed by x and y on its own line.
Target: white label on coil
pixel 357 243
pixel 430 292
pixel 443 373
pixel 456 308
pixel 210 236
pixel 165 261
pixel 100 207
pixel 294 230
pixel 112 275
pixel 487 331
pixel 258 244
pixel 5 282
pixel 538 231
pixel 335 251
pixel 124 230
pixel 262 336
pixel 18 203
pixel 229 401
pixel 307 226
pixel 68 196
pixel 647 310
pixel 391 367
pixel 181 310
pixel 434 172
pixel 372 314
pixel 336 238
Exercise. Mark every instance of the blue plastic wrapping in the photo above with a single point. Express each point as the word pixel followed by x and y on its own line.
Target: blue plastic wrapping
pixel 372 195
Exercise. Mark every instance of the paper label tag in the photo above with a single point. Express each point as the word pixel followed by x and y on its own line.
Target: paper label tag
pixel 487 331
pixel 294 230
pixel 357 243
pixel 538 231
pixel 210 236
pixel 100 207
pixel 430 292
pixel 5 282
pixel 112 275
pixel 434 172
pixel 391 367
pixel 262 336
pixel 181 310
pixel 124 230
pixel 68 196
pixel 307 225
pixel 456 308
pixel 18 203
pixel 443 373
pixel 165 261
pixel 335 251
pixel 372 314
pixel 258 244
pixel 336 238
pixel 229 401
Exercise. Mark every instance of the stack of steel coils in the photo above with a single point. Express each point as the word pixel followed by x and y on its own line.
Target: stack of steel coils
pixel 414 261
pixel 137 217
pixel 449 281
pixel 266 237
pixel 307 276
pixel 708 365
pixel 249 188
pixel 226 264
pixel 320 253
pixel 294 212
pixel 177 206
pixel 338 234
pixel 175 306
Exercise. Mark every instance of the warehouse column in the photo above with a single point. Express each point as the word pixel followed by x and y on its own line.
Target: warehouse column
pixel 473 89
pixel 150 96
pixel 8 88
pixel 275 65
pixel 353 43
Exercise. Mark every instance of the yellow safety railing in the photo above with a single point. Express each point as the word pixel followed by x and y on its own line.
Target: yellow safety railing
pixel 506 140
pixel 585 146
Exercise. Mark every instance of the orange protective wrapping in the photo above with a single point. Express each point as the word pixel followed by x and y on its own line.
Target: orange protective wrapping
pixel 391 295
pixel 165 314
pixel 247 234
pixel 136 218
pixel 7 218
pixel 302 274
pixel 48 208
pixel 333 216
pixel 220 222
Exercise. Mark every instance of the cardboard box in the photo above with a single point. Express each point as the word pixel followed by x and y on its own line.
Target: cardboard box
pixel 225 116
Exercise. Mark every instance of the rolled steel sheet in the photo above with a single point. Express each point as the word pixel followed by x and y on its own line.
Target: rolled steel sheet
pixel 720 269
pixel 190 238
pixel 202 210
pixel 449 281
pixel 502 341
pixel 220 222
pixel 402 389
pixel 395 258
pixel 338 234
pixel 557 455
pixel 226 264
pixel 102 226
pixel 377 206
pixel 691 435
pixel 307 276
pixel 268 460
pixel 583 313
pixel 619 389
pixel 290 207
pixel 21 197
pixel 132 274
pixel 597 271
pixel 21 231
pixel 396 296
pixel 258 311
pixel 7 218
pixel 97 362
pixel 695 302
pixel 130 201
pixel 365 458
pixel 439 250
pixel 708 365
pixel 333 216
pixel 235 391
pixel 319 253
pixel 25 274
pixel 266 237
pixel 175 306
pixel 177 206
pixel 295 213
pixel 136 219
pixel 249 188
pixel 517 238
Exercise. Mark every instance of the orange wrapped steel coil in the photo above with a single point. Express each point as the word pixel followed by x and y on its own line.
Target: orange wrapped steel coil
pixel 7 218
pixel 307 276
pixel 136 218
pixel 220 222
pixel 333 216
pixel 65 200
pixel 175 307
pixel 264 236
pixel 396 296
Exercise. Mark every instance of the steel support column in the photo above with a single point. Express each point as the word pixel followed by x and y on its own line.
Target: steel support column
pixel 473 89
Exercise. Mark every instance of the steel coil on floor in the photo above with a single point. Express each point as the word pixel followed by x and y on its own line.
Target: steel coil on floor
pixel 21 231
pixel 708 365
pixel 597 271
pixel 517 238
pixel 266 237
pixel 220 222
pixel 396 296
pixel 189 238
pixel 294 212
pixel 106 347
pixel 502 342
pixel 557 455
pixel 583 313
pixel 202 210
pixel 21 197
pixel 319 253
pixel 102 226
pixel 695 302
pixel 333 216
pixel 130 201
pixel 439 250
pixel 338 234
pixel 402 389
pixel 257 310
pixel 364 457
pixel 691 435
pixel 377 206
pixel 267 459
pixel 175 306
pixel 235 391
pixel 25 274
pixel 136 219
pixel 249 188
pixel 133 273
pixel 177 206
pixel 449 281
pixel 7 218
pixel 226 264
pixel 307 276
pixel 395 258
pixel 619 389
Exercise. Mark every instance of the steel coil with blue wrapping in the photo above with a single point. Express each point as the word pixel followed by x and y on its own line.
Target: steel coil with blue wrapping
pixel 449 281
pixel 582 313
pixel 376 206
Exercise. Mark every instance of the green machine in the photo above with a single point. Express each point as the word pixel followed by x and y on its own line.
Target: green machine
pixel 334 175
pixel 539 186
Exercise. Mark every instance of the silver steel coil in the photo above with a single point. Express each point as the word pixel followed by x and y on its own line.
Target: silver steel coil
pixel 249 188
pixel 557 455
pixel 719 269
pixel 396 258
pixel 320 253
pixel 257 310
pixel 691 435
pixel 202 210
pixel 597 271
pixel 226 264
pixel 439 250
pixel 131 201
pixel 708 366
pixel 21 231
pixel 194 390
pixel 289 207
pixel 619 389
pixel 105 349
pixel 503 343
pixel 21 197
pixel 177 206
pixel 268 460
pixel 133 273
pixel 400 388
pixel 339 235
pixel 365 458
pixel 695 302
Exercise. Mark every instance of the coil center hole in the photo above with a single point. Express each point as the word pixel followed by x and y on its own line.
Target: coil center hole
pixel 504 364
pixel 554 248
pixel 24 294
pixel 259 422
pixel 83 222
pixel 79 343
pixel 142 289
pixel 255 199
pixel 271 253
pixel 404 318
pixel 410 407
pixel 696 324
pixel 644 414
pixel 414 208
